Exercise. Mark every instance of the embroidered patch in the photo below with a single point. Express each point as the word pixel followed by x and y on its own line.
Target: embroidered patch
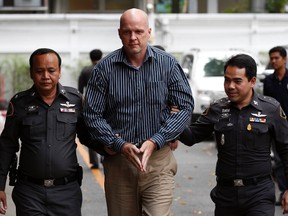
pixel 67 110
pixel 282 113
pixel 258 120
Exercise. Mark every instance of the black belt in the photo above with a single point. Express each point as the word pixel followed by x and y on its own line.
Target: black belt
pixel 47 182
pixel 241 182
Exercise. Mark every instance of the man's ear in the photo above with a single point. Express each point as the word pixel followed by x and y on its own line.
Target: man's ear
pixel 253 81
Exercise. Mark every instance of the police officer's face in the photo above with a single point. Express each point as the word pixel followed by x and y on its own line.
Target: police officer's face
pixel 237 86
pixel 277 61
pixel 45 72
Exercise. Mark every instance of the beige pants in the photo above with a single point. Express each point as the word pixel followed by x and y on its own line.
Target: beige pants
pixel 133 193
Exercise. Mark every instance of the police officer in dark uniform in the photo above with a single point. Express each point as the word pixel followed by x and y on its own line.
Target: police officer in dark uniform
pixel 244 125
pixel 276 86
pixel 45 119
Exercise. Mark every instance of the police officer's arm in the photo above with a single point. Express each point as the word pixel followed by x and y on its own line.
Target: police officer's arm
pixel 280 128
pixel 9 145
pixel 85 137
pixel 199 130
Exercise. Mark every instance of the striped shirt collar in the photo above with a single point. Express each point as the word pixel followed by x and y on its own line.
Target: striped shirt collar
pixel 121 57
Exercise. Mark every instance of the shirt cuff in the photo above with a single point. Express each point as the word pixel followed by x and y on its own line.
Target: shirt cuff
pixel 2 183
pixel 159 140
pixel 118 144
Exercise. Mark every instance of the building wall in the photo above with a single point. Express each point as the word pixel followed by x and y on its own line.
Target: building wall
pixel 74 35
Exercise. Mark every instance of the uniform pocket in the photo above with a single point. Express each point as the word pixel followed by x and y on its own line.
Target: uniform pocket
pixel 224 134
pixel 256 136
pixel 33 126
pixel 66 126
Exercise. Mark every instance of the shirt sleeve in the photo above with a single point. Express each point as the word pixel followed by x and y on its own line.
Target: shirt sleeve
pixel 280 129
pixel 202 128
pixel 9 144
pixel 99 129
pixel 180 95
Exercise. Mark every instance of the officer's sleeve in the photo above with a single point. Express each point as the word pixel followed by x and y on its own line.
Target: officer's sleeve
pixel 280 126
pixel 85 138
pixel 201 129
pixel 9 144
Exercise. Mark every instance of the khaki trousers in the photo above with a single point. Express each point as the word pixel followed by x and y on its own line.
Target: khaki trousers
pixel 130 192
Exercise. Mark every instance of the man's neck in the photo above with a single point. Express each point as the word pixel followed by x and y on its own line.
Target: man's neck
pixel 280 73
pixel 48 97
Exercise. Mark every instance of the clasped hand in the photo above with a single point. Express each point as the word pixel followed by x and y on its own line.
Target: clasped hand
pixel 3 202
pixel 284 202
pixel 139 156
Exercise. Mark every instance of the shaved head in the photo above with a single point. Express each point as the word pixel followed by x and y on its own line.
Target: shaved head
pixel 134 14
pixel 134 31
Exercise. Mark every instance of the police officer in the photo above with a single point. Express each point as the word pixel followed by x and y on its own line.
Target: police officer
pixel 244 125
pixel 45 118
pixel 276 86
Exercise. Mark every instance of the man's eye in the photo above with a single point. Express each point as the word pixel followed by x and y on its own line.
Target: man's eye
pixel 126 32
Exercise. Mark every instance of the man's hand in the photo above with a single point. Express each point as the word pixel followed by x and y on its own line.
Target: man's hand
pixel 3 202
pixel 146 149
pixel 133 154
pixel 109 151
pixel 173 145
pixel 284 202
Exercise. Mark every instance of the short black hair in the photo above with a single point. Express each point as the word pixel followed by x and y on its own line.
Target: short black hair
pixel 42 51
pixel 243 61
pixel 279 49
pixel 95 55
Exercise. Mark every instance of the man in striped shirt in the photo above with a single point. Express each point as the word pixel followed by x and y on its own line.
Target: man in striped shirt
pixel 128 110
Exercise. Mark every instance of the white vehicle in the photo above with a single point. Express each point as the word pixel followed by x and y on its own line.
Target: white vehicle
pixel 205 72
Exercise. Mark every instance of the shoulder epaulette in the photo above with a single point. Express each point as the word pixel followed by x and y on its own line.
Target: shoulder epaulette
pixel 72 90
pixel 269 100
pixel 22 94
pixel 222 101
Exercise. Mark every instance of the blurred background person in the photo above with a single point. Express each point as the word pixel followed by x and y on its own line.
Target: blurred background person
pixel 95 56
pixel 276 86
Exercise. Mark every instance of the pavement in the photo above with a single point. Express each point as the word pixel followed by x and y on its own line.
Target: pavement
pixel 194 180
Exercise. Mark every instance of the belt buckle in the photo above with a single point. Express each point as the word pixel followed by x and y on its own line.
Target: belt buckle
pixel 49 182
pixel 238 183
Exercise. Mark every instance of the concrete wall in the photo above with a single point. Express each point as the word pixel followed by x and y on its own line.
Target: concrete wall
pixel 74 35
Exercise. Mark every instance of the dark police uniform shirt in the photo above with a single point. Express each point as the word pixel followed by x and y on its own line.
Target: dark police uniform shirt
pixel 243 136
pixel 277 89
pixel 47 134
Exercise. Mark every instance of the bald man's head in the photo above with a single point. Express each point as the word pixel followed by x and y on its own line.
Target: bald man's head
pixel 134 32
pixel 132 14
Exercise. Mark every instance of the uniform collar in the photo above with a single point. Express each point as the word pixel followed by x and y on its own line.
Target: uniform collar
pixel 254 102
pixel 61 91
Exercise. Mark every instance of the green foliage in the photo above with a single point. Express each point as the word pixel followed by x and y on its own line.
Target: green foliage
pixel 15 71
pixel 240 7
pixel 276 6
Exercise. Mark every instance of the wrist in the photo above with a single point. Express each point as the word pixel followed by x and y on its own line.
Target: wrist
pixel 154 142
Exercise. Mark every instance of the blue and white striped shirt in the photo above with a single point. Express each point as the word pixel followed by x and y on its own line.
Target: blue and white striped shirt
pixel 128 104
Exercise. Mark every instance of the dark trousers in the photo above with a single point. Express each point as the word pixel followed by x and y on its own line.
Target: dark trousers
pixel 93 157
pixel 35 200
pixel 253 200
pixel 279 171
